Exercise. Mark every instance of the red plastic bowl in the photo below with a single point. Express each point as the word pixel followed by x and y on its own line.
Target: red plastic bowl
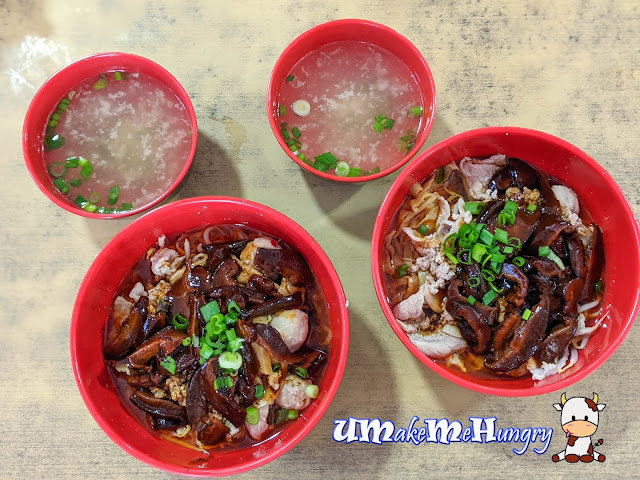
pixel 96 294
pixel 360 31
pixel 598 193
pixel 56 87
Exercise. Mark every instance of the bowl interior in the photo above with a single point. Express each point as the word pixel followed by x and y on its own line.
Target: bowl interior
pixel 598 194
pixel 360 31
pixel 59 85
pixel 93 303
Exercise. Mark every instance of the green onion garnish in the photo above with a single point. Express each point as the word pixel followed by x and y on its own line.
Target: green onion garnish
pixel 259 391
pixel 281 416
pixel 518 261
pixel 515 242
pixel 94 197
pixel 169 365
pixel 599 286
pixel 312 391
pixel 222 382
pixel 416 111
pixel 526 314
pixel 296 132
pixel 543 251
pixel 57 169
pixel 328 159
pixel 402 270
pixel 342 169
pixel 253 416
pixel 61 185
pixel 473 207
pixel 292 414
pixel 290 78
pixel 472 300
pixel 282 110
pixel 179 322
pixel 423 229
pixel 126 206
pixel 186 342
pixel 502 236
pixel 376 170
pixel 80 200
pixel 558 261
pixel 114 193
pixel 206 352
pixel 76 182
pixel 301 372
pixel 230 360
pixel 90 207
pixel 507 250
pixel 117 75
pixel 53 142
pixel 489 297
pixel 275 367
pixel 318 165
pixel 486 238
pixel 498 258
pixel 464 256
pixel 87 168
pixel 232 307
pixel 488 275
pixel 354 172
pixel 532 207
pixel 72 162
pixel 473 282
pixel 383 122
pixel 302 157
pixel 478 252
pixel 209 310
pixel 101 83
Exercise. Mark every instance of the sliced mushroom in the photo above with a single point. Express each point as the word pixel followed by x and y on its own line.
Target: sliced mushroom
pixel 164 343
pixel 222 401
pixel 512 273
pixel 225 273
pixel 273 305
pixel 158 407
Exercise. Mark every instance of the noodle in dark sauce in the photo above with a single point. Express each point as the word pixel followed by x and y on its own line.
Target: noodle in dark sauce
pixel 491 267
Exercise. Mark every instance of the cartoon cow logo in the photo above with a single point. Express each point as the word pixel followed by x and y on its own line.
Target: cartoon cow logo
pixel 579 419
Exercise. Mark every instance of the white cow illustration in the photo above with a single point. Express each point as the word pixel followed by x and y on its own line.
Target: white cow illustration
pixel 579 420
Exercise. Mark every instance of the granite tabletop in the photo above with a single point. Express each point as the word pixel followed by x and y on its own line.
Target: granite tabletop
pixel 570 68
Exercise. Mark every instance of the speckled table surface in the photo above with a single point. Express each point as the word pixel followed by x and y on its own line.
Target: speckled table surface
pixel 569 68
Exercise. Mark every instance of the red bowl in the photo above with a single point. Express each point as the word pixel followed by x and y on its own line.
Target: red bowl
pixel 361 31
pixel 598 193
pixel 58 85
pixel 93 302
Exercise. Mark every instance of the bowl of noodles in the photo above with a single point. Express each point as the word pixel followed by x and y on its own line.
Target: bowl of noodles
pixel 206 339
pixel 494 261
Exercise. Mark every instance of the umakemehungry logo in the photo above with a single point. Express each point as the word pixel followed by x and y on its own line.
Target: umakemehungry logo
pixel 432 430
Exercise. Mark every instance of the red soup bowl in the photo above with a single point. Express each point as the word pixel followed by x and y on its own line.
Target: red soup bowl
pixel 355 32
pixel 93 303
pixel 599 195
pixel 46 107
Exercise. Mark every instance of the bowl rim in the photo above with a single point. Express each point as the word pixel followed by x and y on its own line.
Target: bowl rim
pixel 272 88
pixel 377 245
pixel 163 73
pixel 340 353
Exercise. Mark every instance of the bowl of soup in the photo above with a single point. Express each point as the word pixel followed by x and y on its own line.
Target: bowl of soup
pixel 109 135
pixel 351 100
pixel 209 336
pixel 495 261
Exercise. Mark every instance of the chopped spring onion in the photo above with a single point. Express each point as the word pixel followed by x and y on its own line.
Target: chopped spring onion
pixel 342 169
pixel 126 206
pixel 101 83
pixel 53 142
pixel 502 236
pixel 383 122
pixel 486 238
pixel 515 242
pixel 599 287
pixel 532 207
pixel 276 367
pixel 440 176
pixel 507 250
pixel 282 110
pixel 114 193
pixel 402 270
pixel 80 200
pixel 206 352
pixel 302 372
pixel 230 360
pixel 259 391
pixel 281 416
pixel 117 75
pixel 253 417
pixel 416 111
pixel 57 169
pixel 61 185
pixel 488 275
pixel 543 251
pixel 407 142
pixel 94 197
pixel 464 256
pixel 232 307
pixel 478 252
pixel 195 340
pixel 498 258
pixel 312 391
pixel 87 168
pixel 354 172
pixel 72 162
pixel 186 342
pixel 489 297
pixel 302 108
pixel 292 414
pixel 526 314
pixel 376 170
pixel 473 282
pixel 296 132
pixel 169 365
pixel 318 165
pixel 209 310
pixel 558 261
pixel 302 156
pixel 423 229
pixel 179 322
pixel 472 300
pixel 290 78
pixel 90 207
pixel 222 382
pixel 518 261
pixel 328 159
pixel 76 182
pixel 473 207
